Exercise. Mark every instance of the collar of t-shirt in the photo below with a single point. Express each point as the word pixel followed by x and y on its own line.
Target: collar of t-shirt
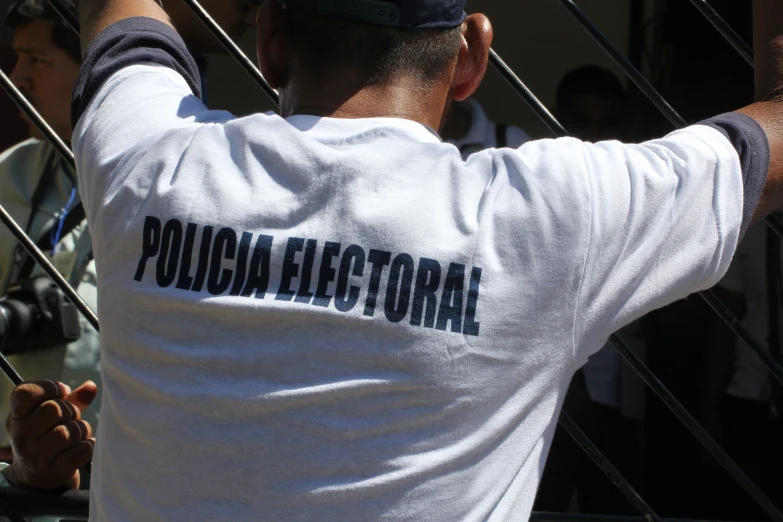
pixel 325 129
pixel 479 123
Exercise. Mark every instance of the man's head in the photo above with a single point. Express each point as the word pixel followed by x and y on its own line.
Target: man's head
pixel 410 55
pixel 48 60
pixel 590 102
pixel 233 16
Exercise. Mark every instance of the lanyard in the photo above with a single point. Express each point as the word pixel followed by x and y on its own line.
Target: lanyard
pixel 56 233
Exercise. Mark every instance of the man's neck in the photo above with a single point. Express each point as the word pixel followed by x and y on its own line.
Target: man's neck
pixel 404 99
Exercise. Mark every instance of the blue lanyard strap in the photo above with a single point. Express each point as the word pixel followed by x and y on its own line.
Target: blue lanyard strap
pixel 57 231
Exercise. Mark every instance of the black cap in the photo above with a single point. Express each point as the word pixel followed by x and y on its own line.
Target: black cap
pixel 416 14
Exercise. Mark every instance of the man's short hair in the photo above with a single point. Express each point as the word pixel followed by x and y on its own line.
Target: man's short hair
pixel 591 80
pixel 24 12
pixel 378 53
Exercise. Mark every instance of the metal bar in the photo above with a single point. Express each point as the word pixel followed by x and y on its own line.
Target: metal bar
pixel 697 430
pixel 48 267
pixel 632 72
pixel 10 372
pixel 609 470
pixel 534 103
pixel 725 30
pixel 234 50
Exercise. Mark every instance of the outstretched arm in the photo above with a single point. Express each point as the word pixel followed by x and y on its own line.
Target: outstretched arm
pixel 768 108
pixel 97 15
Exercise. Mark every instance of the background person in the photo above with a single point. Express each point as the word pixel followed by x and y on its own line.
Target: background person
pixel 470 130
pixel 39 189
pixel 591 102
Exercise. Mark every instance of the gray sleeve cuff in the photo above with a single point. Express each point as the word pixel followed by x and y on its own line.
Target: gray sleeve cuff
pixel 752 146
pixel 124 43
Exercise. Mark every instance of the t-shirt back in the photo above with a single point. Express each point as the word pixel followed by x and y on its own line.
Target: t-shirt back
pixel 321 319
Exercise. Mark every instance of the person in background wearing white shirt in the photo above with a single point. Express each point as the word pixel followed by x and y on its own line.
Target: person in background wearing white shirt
pixel 470 130
pixel 39 189
pixel 329 314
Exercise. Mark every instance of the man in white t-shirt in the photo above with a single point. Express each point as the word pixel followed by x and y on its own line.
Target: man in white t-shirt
pixel 331 315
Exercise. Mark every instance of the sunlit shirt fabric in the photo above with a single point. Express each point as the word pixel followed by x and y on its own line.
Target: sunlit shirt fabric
pixel 324 319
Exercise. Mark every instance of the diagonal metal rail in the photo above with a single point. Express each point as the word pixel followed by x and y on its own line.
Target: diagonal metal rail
pixel 606 466
pixel 725 30
pixel 234 50
pixel 696 429
pixel 228 44
pixel 527 95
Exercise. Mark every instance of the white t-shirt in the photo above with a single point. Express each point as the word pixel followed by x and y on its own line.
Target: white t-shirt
pixel 747 275
pixel 326 319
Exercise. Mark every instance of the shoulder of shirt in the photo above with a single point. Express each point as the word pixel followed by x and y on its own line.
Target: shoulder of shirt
pixel 23 156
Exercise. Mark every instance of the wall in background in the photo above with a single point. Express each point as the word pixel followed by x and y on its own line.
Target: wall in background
pixel 538 39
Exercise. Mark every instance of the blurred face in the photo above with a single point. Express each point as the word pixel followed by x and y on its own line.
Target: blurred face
pixel 234 16
pixel 591 118
pixel 46 74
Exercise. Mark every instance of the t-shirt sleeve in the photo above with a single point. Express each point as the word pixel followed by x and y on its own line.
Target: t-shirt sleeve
pixel 665 219
pixel 138 83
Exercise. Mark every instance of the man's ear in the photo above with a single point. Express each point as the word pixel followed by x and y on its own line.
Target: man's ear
pixel 473 56
pixel 272 44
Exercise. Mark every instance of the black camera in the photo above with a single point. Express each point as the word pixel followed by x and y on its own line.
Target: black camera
pixel 36 315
